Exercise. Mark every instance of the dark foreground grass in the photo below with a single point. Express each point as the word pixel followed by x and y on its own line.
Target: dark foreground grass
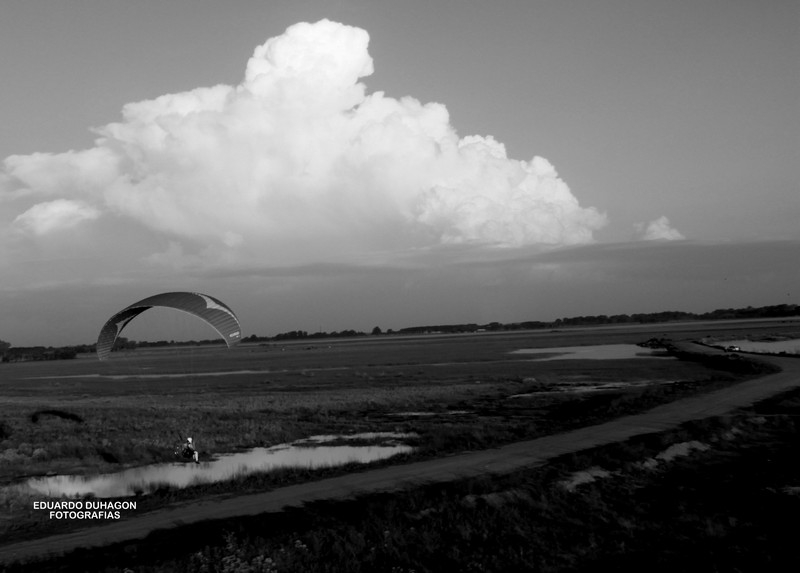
pixel 729 505
pixel 64 415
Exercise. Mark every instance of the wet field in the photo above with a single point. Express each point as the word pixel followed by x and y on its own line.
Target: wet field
pixel 86 417
pixel 335 362
pixel 310 453
pixel 266 415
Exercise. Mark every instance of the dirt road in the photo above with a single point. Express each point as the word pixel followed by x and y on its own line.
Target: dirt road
pixel 507 458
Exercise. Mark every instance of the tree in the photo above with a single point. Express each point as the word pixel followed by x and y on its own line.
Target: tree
pixel 4 345
pixel 377 330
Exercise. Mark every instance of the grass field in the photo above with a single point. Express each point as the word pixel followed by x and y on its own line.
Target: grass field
pixel 726 505
pixel 83 416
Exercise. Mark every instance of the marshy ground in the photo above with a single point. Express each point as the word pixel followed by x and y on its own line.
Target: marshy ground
pixel 454 392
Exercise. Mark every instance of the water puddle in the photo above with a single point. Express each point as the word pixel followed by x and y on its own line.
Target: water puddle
pixel 182 374
pixel 681 450
pixel 582 477
pixel 386 438
pixel 306 453
pixel 672 452
pixel 155 376
pixel 767 346
pixel 425 414
pixel 596 352
pixel 558 388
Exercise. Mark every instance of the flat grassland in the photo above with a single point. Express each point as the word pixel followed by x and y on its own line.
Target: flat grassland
pixel 83 416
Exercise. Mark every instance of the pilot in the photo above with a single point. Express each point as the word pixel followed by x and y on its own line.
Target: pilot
pixel 189 448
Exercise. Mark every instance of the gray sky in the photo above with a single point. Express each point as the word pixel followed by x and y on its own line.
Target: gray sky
pixel 669 134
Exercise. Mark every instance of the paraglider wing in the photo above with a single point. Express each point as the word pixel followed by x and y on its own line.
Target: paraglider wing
pixel 212 310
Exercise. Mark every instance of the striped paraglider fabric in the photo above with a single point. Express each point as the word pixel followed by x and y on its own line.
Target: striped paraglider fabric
pixel 212 310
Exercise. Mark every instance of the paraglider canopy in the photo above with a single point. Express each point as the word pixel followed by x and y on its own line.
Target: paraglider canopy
pixel 212 310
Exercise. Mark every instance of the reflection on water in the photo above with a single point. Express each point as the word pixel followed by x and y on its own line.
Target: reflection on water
pixel 772 347
pixel 561 388
pixel 425 414
pixel 387 438
pixel 300 454
pixel 597 352
pixel 139 375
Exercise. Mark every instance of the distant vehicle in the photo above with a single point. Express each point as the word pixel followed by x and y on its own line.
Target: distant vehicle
pixel 212 310
pixel 732 349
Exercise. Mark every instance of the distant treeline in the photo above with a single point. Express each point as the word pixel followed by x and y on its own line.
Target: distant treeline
pixel 303 335
pixel 9 353
pixel 776 311
pixel 34 353
pixel 123 343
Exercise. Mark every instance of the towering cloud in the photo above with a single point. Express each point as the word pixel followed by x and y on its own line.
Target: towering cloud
pixel 296 163
pixel 657 230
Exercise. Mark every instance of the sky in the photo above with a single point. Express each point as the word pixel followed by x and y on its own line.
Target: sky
pixel 331 165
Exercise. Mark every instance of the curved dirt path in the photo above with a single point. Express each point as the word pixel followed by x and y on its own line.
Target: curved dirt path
pixel 504 459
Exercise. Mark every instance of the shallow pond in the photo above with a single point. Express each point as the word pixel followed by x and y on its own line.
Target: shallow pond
pixel 588 386
pixel 596 352
pixel 773 347
pixel 307 453
pixel 429 414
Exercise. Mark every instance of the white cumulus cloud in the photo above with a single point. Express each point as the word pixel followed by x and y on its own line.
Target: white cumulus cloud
pixel 657 230
pixel 58 215
pixel 299 162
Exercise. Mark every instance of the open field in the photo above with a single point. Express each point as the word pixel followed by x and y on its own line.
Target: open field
pixel 133 408
pixel 714 495
pixel 275 393
pixel 718 494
